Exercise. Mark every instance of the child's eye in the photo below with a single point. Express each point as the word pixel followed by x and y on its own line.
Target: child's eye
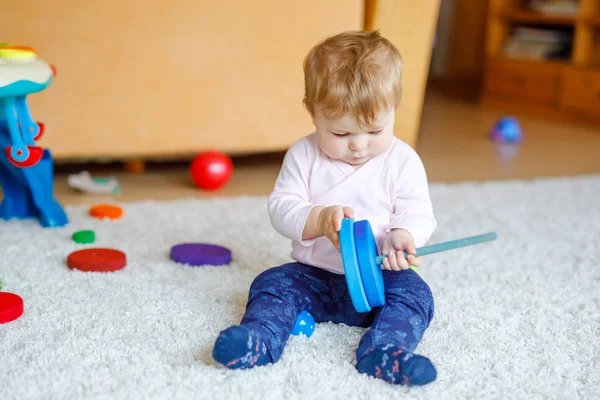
pixel 376 132
pixel 339 134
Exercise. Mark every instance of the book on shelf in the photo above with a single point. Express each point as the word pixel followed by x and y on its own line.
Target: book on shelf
pixel 555 7
pixel 541 44
pixel 541 35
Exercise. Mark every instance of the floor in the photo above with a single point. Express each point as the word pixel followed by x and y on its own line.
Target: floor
pixel 453 144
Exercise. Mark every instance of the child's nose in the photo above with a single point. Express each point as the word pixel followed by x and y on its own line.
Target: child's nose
pixel 358 144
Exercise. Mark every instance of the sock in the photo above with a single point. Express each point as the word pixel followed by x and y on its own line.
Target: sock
pixel 239 348
pixel 395 365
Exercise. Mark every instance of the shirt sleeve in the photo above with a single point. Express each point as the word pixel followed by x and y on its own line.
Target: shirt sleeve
pixel 289 203
pixel 413 209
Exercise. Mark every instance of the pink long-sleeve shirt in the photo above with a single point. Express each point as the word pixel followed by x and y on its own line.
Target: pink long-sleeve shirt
pixel 390 191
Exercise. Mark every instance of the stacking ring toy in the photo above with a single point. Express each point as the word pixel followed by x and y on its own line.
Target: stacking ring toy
pixel 362 265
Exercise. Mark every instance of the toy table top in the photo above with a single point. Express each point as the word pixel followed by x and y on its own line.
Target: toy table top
pixel 29 69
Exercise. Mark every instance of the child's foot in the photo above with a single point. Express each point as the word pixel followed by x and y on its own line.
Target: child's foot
pixel 395 365
pixel 237 347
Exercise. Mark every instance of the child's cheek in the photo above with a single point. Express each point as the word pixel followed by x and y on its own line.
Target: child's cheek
pixel 331 146
pixel 336 145
pixel 343 147
pixel 383 142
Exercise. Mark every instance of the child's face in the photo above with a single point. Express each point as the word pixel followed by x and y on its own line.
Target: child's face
pixel 346 141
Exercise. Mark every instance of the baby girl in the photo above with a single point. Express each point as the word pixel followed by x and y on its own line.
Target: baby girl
pixel 352 166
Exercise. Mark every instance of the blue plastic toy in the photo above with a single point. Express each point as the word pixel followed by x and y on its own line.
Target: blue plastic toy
pixel 362 265
pixel 507 130
pixel 305 324
pixel 26 170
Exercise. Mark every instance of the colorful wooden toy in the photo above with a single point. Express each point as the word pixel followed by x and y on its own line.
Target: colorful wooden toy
pixel 199 254
pixel 84 237
pixel 104 211
pixel 97 260
pixel 11 307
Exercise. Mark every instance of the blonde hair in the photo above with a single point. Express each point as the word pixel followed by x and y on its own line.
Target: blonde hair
pixel 354 72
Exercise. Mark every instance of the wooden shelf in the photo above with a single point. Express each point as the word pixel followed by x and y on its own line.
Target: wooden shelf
pixel 534 61
pixel 551 87
pixel 532 17
pixel 594 21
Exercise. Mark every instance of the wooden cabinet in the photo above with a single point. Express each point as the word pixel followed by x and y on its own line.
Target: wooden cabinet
pixel 581 91
pixel 558 89
pixel 569 87
pixel 523 81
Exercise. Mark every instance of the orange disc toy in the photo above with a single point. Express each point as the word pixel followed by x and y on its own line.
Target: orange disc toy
pixel 106 211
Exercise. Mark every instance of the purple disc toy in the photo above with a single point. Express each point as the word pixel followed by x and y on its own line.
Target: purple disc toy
pixel 197 254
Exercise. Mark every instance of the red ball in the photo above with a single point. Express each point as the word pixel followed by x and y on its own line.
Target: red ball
pixel 211 170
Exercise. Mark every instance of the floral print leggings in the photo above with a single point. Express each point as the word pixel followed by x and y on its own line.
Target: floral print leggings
pixel 278 295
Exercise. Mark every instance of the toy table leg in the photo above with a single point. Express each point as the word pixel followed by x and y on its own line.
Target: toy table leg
pixel 17 201
pixel 19 152
pixel 29 127
pixel 40 179
pixel 22 152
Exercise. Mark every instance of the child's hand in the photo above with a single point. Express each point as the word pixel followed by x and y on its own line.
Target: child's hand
pixel 330 222
pixel 399 240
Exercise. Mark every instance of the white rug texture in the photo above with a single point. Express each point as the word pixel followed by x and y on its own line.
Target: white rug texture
pixel 518 318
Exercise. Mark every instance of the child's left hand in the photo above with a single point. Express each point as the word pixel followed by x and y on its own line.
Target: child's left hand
pixel 399 240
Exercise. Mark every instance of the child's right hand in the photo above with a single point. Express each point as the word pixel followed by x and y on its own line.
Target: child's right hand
pixel 330 222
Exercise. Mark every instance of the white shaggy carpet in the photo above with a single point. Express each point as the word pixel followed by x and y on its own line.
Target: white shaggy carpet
pixel 515 319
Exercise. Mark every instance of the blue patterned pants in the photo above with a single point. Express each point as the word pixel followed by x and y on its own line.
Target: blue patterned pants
pixel 278 295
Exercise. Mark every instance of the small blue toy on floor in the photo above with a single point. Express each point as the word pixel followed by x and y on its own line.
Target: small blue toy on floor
pixel 507 130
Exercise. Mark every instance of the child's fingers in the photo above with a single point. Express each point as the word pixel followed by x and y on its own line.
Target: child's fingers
pixel 386 264
pixel 393 261
pixel 410 248
pixel 335 239
pixel 415 261
pixel 348 212
pixel 385 247
pixel 333 235
pixel 386 261
pixel 338 215
pixel 402 262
